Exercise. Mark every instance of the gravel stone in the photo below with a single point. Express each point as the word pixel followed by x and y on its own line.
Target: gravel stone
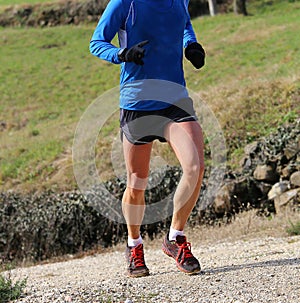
pixel 255 270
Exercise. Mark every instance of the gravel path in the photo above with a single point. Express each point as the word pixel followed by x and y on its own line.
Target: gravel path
pixel 255 270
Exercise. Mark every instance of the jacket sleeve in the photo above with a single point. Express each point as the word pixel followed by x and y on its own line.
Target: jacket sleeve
pixel 189 34
pixel 112 19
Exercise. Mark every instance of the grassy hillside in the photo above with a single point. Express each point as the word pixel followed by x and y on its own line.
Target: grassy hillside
pixel 48 78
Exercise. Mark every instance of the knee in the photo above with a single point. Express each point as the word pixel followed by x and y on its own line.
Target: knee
pixel 133 194
pixel 194 171
pixel 137 182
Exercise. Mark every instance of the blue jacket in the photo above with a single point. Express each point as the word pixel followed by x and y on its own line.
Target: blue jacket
pixel 167 26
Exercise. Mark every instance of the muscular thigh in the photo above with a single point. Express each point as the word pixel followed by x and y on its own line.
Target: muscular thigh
pixel 186 139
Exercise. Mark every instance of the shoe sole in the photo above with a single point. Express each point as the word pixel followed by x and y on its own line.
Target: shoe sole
pixel 195 271
pixel 138 275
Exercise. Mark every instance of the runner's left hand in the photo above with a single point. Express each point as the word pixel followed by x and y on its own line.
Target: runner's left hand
pixel 195 53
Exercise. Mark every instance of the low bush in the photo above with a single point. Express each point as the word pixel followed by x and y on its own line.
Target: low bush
pixel 294 229
pixel 10 290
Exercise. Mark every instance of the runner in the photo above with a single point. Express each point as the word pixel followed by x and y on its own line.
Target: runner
pixel 152 35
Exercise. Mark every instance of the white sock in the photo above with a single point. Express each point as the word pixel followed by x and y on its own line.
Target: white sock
pixel 134 242
pixel 173 233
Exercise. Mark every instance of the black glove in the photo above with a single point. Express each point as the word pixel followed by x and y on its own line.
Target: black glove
pixel 195 53
pixel 134 53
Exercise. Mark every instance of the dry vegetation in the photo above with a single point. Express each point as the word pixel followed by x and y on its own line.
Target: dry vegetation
pixel 246 225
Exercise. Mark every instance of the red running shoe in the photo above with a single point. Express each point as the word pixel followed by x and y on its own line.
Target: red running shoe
pixel 136 262
pixel 180 250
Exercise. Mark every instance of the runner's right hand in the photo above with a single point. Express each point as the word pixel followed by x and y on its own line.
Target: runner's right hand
pixel 135 53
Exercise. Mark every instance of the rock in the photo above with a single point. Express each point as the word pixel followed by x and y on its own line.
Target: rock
pixel 266 173
pixel 287 171
pixel 278 189
pixel 222 201
pixel 291 150
pixel 246 162
pixel 238 194
pixel 252 148
pixel 295 179
pixel 264 187
pixel 283 200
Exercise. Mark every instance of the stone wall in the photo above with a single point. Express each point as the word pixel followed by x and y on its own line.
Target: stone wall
pixel 53 14
pixel 269 178
pixel 69 12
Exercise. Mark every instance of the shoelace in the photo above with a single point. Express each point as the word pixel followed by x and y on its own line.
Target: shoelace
pixel 184 252
pixel 137 256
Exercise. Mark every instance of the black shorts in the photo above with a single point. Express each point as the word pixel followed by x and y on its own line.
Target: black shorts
pixel 142 127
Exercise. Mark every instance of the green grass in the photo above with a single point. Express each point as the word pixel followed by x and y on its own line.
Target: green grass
pixel 48 80
pixel 251 81
pixel 262 46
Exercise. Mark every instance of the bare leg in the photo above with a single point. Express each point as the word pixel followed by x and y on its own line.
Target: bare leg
pixel 186 140
pixel 137 159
